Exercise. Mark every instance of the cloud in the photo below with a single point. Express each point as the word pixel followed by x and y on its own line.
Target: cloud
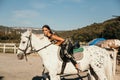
pixel 26 22
pixel 39 5
pixel 62 1
pixel 24 17
pixel 25 14
pixel 58 1
pixel 77 1
pixel 45 4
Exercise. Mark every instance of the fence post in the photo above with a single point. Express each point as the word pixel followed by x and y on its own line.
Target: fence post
pixel 3 48
pixel 8 46
pixel 14 48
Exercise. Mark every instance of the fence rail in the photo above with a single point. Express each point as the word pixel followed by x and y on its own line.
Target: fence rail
pixel 8 48
pixel 12 47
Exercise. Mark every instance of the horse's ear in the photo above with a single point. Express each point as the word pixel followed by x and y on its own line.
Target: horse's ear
pixel 21 33
pixel 29 30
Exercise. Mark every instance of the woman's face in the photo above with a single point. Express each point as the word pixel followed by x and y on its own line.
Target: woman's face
pixel 46 31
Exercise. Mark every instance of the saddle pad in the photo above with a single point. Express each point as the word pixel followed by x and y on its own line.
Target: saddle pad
pixel 78 50
pixel 78 56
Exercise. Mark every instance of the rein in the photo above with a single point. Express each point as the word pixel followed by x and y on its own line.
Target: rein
pixel 32 50
pixel 39 49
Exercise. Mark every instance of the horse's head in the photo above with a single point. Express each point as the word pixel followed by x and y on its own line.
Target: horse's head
pixel 25 45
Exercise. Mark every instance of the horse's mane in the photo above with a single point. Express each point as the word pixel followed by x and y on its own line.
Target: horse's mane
pixel 42 38
pixel 37 37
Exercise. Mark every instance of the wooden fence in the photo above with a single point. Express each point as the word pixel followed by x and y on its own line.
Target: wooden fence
pixel 12 47
pixel 8 48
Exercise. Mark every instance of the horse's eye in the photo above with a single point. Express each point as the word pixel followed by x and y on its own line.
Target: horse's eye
pixel 23 42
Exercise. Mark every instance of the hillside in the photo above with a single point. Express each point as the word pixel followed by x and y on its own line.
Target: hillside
pixel 108 29
pixel 12 34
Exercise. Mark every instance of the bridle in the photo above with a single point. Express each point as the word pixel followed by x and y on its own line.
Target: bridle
pixel 29 44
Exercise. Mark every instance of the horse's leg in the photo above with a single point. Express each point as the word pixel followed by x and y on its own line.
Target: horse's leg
pixel 100 72
pixel 109 68
pixel 52 69
pixel 92 74
pixel 114 61
pixel 98 68
pixel 53 75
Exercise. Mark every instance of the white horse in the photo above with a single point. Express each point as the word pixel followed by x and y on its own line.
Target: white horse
pixel 113 44
pixel 93 56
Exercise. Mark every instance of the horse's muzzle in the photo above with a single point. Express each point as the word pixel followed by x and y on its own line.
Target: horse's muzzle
pixel 20 56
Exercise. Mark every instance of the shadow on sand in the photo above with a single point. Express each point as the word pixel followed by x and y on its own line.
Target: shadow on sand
pixel 1 77
pixel 38 78
pixel 78 77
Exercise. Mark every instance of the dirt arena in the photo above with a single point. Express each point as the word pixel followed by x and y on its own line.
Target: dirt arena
pixel 13 69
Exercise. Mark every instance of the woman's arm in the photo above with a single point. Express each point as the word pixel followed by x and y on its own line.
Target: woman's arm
pixel 59 39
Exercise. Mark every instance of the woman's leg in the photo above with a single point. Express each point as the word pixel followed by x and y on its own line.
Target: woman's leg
pixel 75 64
pixel 63 67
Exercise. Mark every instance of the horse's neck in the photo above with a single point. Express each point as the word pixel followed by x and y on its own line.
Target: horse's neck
pixel 40 43
pixel 37 42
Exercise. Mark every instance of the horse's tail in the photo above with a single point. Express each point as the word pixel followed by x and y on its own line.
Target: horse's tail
pixel 108 68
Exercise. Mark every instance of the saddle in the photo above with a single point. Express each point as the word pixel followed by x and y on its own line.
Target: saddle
pixel 70 50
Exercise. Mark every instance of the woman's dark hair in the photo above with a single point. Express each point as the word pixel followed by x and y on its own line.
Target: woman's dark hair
pixel 46 26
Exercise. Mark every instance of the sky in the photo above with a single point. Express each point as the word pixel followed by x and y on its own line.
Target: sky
pixel 58 14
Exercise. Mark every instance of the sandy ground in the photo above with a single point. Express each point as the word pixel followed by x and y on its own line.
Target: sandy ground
pixel 13 69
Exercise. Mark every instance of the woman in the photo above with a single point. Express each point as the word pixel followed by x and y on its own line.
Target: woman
pixel 48 32
pixel 58 41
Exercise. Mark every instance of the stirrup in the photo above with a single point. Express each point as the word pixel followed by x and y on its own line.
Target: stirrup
pixel 60 73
